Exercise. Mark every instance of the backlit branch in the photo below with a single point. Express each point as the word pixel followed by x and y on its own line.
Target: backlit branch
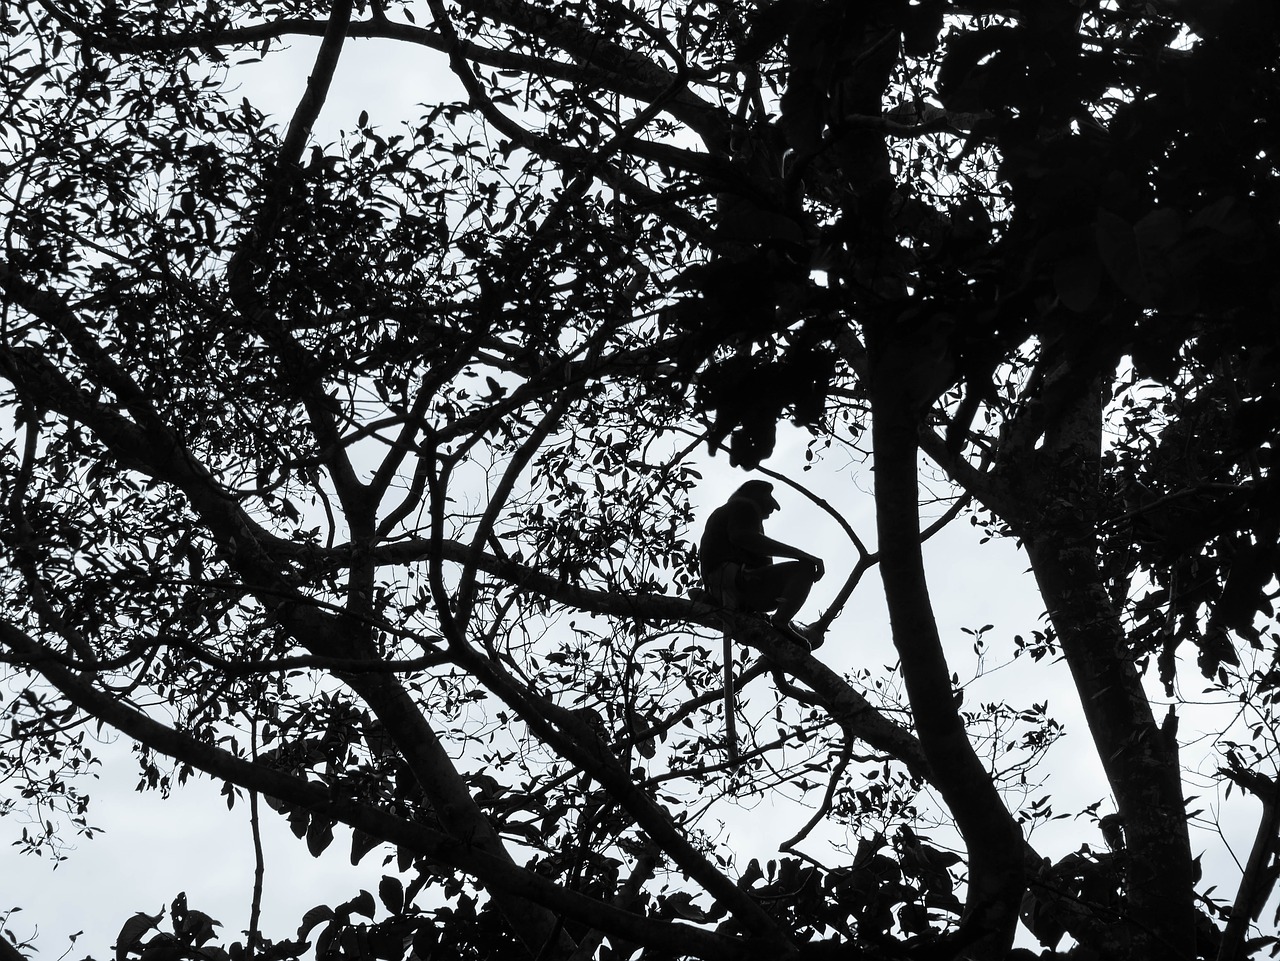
pixel 673 937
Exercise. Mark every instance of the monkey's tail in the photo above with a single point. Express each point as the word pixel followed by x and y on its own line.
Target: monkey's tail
pixel 730 706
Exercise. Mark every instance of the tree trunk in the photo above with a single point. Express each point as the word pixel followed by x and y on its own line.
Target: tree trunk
pixel 993 838
pixel 1140 760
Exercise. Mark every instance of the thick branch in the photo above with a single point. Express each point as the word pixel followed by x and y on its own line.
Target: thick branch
pixel 157 452
pixel 993 839
pixel 1257 882
pixel 845 704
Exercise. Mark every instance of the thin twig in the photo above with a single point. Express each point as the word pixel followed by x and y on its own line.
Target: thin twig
pixel 259 862
pixel 828 798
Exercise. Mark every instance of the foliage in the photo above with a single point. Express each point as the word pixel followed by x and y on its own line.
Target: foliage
pixel 357 475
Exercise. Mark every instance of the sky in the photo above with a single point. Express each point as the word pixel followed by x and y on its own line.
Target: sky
pixel 150 849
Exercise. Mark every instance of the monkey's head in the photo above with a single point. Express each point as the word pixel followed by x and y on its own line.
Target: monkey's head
pixel 761 494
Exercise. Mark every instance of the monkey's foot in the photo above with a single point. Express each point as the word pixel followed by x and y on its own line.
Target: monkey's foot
pixel 813 634
pixel 792 632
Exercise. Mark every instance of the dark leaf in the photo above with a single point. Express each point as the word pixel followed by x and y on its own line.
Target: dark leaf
pixel 130 936
pixel 391 891
pixel 317 915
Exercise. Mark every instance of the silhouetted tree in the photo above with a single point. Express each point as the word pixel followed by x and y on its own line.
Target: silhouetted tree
pixel 369 461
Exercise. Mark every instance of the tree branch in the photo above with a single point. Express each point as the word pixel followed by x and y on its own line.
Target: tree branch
pixel 1256 883
pixel 494 872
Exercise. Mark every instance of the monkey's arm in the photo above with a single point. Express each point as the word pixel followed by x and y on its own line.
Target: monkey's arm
pixel 757 542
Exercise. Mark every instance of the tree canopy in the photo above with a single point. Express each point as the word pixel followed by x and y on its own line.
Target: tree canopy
pixel 354 473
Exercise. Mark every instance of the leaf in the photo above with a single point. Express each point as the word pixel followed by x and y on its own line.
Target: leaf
pixel 1159 230
pixel 1118 250
pixel 391 891
pixel 299 822
pixel 935 858
pixel 681 904
pixel 331 930
pixel 319 836
pixel 913 918
pixel 131 934
pixel 199 926
pixel 317 915
pixel 1223 216
pixel 416 885
pixel 943 901
pixel 163 947
pixel 751 875
pixel 424 942
pixel 362 844
pixel 362 903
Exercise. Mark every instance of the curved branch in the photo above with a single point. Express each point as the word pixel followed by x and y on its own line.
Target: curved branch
pixel 993 838
pixel 243 282
pixel 318 82
pixel 591 58
pixel 498 501
pixel 1257 882
pixel 833 782
pixel 842 701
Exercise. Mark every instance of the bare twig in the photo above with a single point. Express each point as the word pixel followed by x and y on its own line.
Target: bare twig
pixel 828 798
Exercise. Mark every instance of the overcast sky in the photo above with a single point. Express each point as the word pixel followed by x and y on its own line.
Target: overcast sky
pixel 151 849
